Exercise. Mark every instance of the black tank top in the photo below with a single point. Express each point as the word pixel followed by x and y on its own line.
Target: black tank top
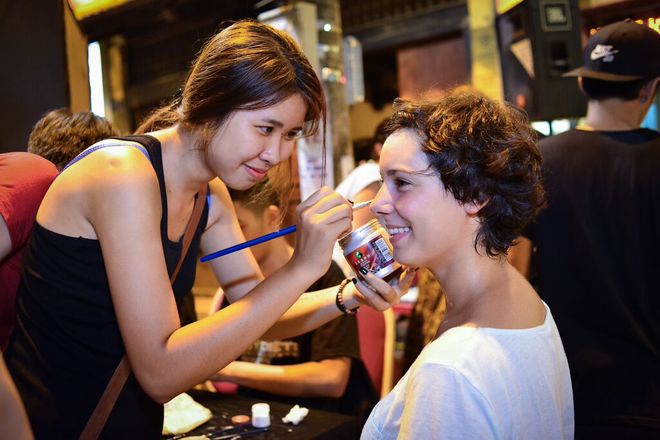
pixel 67 342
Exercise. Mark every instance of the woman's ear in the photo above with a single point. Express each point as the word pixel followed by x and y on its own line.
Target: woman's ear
pixel 473 208
pixel 273 216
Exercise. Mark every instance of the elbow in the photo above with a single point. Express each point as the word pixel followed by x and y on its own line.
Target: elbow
pixel 158 388
pixel 335 383
pixel 159 395
pixel 336 389
pixel 162 398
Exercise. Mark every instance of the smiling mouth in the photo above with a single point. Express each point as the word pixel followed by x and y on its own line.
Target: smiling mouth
pixel 256 173
pixel 399 230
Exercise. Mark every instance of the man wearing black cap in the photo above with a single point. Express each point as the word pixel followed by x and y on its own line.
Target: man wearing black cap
pixel 597 245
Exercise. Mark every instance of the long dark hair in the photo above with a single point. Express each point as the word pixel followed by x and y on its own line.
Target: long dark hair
pixel 246 66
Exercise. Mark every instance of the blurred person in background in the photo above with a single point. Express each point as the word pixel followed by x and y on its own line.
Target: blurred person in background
pixel 462 178
pixel 361 185
pixel 24 178
pixel 363 182
pixel 60 135
pixel 425 318
pixel 597 246
pixel 320 369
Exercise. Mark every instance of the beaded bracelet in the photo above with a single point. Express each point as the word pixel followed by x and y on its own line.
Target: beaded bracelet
pixel 339 300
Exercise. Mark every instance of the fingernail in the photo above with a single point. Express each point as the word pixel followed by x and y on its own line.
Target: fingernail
pixel 363 271
pixel 354 280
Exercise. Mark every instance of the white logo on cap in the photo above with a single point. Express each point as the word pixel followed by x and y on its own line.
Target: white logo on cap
pixel 604 52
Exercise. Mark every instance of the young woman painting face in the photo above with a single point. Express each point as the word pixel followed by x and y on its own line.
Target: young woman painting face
pixel 251 142
pixel 110 236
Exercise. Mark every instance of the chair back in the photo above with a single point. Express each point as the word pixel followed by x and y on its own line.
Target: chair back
pixel 377 333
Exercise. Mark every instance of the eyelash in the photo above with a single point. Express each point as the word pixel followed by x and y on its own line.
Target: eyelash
pixel 267 130
pixel 294 135
pixel 399 182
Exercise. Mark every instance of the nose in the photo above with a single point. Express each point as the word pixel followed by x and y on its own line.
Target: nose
pixel 382 202
pixel 271 154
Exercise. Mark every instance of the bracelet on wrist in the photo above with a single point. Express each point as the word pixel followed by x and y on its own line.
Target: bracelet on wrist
pixel 339 299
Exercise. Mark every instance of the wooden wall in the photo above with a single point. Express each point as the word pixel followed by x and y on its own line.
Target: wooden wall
pixel 429 70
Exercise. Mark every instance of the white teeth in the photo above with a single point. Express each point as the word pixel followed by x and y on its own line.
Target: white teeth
pixel 393 231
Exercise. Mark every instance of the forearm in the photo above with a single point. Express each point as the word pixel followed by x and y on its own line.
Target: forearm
pixel 310 379
pixel 310 311
pixel 193 353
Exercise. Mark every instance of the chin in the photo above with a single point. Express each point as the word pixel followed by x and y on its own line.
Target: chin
pixel 406 260
pixel 246 186
pixel 239 185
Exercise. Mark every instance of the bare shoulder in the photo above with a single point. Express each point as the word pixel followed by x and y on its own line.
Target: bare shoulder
pixel 108 182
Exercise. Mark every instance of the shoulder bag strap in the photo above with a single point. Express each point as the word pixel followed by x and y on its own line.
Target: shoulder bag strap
pixel 109 397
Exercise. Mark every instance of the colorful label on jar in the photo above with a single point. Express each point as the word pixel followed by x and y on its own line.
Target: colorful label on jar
pixel 373 256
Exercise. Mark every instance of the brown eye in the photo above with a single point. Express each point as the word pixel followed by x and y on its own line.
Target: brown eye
pixel 400 183
pixel 294 134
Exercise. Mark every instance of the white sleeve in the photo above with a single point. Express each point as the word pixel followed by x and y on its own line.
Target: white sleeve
pixel 441 403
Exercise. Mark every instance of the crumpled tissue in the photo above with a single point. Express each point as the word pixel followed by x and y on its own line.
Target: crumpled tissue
pixel 295 415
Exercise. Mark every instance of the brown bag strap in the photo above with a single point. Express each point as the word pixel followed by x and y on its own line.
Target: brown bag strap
pixel 200 201
pixel 109 397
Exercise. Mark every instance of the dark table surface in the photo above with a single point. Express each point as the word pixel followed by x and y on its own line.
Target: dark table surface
pixel 316 425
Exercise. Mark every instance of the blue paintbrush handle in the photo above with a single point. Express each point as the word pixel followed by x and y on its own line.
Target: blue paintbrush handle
pixel 267 237
pixel 247 244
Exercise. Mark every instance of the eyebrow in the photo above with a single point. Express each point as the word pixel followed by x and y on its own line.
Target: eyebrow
pixel 425 172
pixel 273 121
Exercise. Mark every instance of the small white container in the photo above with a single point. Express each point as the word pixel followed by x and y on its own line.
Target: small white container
pixel 261 415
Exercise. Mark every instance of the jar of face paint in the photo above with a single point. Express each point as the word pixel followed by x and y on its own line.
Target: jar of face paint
pixel 368 249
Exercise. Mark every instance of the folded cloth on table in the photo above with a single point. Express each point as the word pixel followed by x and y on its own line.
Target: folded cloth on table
pixel 183 414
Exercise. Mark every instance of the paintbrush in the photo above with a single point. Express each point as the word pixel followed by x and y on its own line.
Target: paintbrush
pixel 264 238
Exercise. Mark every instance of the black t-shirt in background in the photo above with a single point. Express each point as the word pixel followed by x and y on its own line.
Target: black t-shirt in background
pixel 596 259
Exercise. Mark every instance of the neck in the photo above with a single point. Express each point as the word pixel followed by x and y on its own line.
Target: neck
pixel 185 167
pixel 614 115
pixel 279 253
pixel 467 280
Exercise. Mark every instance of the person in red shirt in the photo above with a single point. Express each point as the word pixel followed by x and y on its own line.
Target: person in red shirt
pixel 55 140
pixel 24 179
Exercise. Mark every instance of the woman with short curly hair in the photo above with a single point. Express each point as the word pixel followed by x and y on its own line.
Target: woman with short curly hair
pixel 462 177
